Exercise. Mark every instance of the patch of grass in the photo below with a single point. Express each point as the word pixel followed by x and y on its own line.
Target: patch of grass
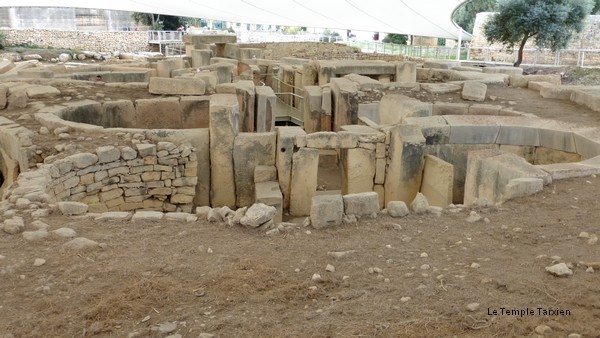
pixel 584 76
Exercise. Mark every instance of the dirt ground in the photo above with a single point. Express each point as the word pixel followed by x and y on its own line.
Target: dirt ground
pixel 406 277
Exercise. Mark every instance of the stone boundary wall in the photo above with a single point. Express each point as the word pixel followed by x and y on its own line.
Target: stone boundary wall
pixel 159 176
pixel 125 41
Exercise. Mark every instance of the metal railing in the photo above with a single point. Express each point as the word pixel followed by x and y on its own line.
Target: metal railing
pixel 534 56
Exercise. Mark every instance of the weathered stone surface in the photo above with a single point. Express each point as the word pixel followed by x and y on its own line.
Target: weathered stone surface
pixel 265 173
pixel 313 99
pixel 361 204
pixel 141 216
pixel 161 113
pixel 195 111
pixel 393 107
pixel 286 141
pixel 258 214
pixel 440 88
pixel 201 57
pixel 358 170
pixel 72 208
pixel 83 160
pixel 305 165
pixel 246 100
pixel 323 140
pixel 35 235
pixel 405 170
pixel 249 151
pixel 406 72
pixel 438 180
pixel 269 193
pixel 224 115
pixel 113 216
pixel 177 86
pixel 326 210
pixel 474 91
pixel 107 154
pixel 80 243
pixel 419 204
pixel 118 114
pixel 559 270
pixel 265 109
pixel 397 209
pixel 365 83
pixel 503 70
pixel 345 102
pixel 519 187
pixel 448 108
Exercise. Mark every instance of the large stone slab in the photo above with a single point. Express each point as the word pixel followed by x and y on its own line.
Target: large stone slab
pixel 313 99
pixel 265 109
pixel 201 57
pixel 195 111
pixel 394 107
pixel 345 102
pixel 361 204
pixel 474 91
pixel 269 193
pixel 246 100
pixel 438 180
pixel 224 116
pixel 365 83
pixel 405 170
pixel 435 129
pixel 358 170
pixel 472 129
pixel 177 86
pixel 503 70
pixel 251 150
pixel 490 171
pixel 305 166
pixel 163 113
pixel 286 141
pixel 440 88
pixel 326 210
pixel 406 72
pixel 118 114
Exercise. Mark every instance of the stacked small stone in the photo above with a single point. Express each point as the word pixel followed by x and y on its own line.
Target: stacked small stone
pixel 159 176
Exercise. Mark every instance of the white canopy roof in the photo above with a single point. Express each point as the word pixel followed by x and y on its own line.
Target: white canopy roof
pixel 414 17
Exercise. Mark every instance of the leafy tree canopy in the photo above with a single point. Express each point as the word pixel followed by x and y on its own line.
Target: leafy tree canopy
pixel 158 21
pixel 399 39
pixel 551 23
pixel 465 15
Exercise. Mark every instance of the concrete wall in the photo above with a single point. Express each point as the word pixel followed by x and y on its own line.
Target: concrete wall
pixel 65 18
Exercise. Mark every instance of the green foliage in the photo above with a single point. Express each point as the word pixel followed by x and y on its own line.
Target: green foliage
pixel 596 8
pixel 291 29
pixel 158 22
pixel 399 39
pixel 2 39
pixel 329 32
pixel 551 23
pixel 465 15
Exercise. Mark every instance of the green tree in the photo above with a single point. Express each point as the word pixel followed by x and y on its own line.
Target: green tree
pixel 596 8
pixel 465 15
pixel 158 21
pixel 551 23
pixel 399 39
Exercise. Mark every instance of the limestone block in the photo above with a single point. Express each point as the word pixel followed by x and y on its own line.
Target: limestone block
pixel 286 138
pixel 406 72
pixel 568 170
pixel 249 151
pixel 380 164
pixel 554 79
pixel 305 166
pixel 72 208
pixel 201 57
pixel 162 113
pixel 323 140
pixel 369 110
pixel 224 115
pixel 210 80
pixel 545 155
pixel 393 107
pixel 538 85
pixel 526 152
pixel 358 170
pixel 269 193
pixel 326 210
pixel 519 187
pixel 142 216
pixel 265 109
pixel 397 209
pixel 83 160
pixel 474 91
pixel 472 129
pixel 37 92
pixel 365 134
pixel 164 67
pixel 265 173
pixel 587 97
pixel 246 100
pixel 489 171
pixel 503 70
pixel 326 110
pixel 558 92
pixel 5 66
pixel 438 180
pixel 380 190
pixel 365 83
pixel 348 139
pixel 587 142
pixel 519 81
pixel 118 114
pixel 361 204
pixel 313 100
pixel 223 71
pixel 195 111
pixel 107 154
pixel 441 64
pixel 146 149
pixel 520 131
pixel 405 169
pixel 181 199
pixel 447 108
pixel 435 129
pixel 484 109
pixel 176 86
pixel 345 102
pixel 440 88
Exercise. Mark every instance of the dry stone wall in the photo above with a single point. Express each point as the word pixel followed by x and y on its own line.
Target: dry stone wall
pixel 159 176
pixel 123 41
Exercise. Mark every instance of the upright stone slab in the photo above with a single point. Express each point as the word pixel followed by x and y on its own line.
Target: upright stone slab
pixel 164 67
pixel 162 113
pixel 310 74
pixel 326 110
pixel 286 141
pixel 223 70
pixel 406 157
pixel 118 114
pixel 361 204
pixel 406 72
pixel 313 101
pixel 345 102
pixel 177 86
pixel 265 109
pixel 269 193
pixel 249 151
pixel 358 170
pixel 326 72
pixel 246 97
pixel 326 210
pixel 438 179
pixel 195 111
pixel 224 115
pixel 394 107
pixel 201 57
pixel 305 166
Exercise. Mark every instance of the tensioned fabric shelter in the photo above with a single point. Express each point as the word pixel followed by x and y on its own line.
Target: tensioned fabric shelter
pixel 414 17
